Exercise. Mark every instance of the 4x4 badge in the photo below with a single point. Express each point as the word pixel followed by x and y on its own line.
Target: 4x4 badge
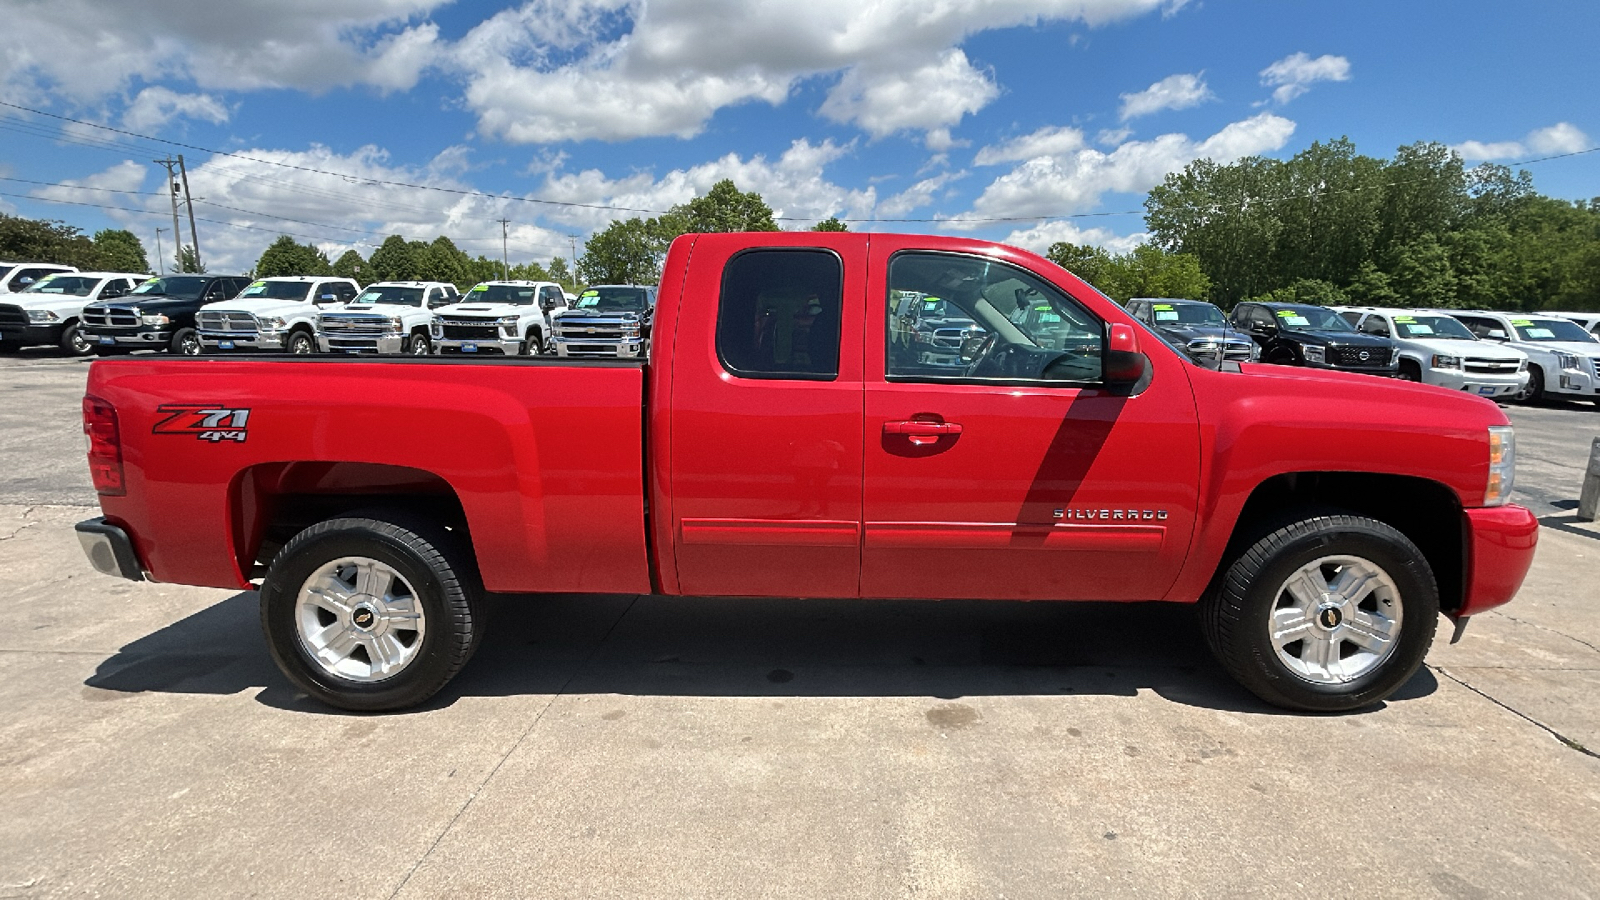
pixel 206 421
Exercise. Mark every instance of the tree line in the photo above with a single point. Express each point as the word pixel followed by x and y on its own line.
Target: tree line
pixel 109 250
pixel 398 259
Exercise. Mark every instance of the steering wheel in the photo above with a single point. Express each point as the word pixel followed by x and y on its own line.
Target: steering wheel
pixel 981 356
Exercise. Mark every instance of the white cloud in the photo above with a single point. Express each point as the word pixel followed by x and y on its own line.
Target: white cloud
pixel 87 50
pixel 1040 237
pixel 1172 92
pixel 619 69
pixel 1053 141
pixel 1293 75
pixel 156 106
pixel 1075 181
pixel 917 196
pixel 1562 137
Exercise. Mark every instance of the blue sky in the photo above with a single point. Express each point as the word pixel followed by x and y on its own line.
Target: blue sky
pixel 1027 121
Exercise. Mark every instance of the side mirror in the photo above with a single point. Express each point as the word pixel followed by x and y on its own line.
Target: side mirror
pixel 547 304
pixel 1495 334
pixel 24 281
pixel 1125 366
pixel 328 298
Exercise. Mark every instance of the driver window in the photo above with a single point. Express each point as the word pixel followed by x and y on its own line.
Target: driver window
pixel 1375 325
pixel 973 318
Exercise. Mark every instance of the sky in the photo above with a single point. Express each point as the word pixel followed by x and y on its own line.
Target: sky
pixel 1025 121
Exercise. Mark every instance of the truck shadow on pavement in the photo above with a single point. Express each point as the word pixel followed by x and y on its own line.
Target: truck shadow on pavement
pixel 716 647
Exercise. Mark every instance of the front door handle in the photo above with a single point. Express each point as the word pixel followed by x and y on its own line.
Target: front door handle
pixel 916 428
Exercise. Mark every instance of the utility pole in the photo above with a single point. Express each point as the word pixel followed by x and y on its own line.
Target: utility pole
pixel 189 201
pixel 505 265
pixel 572 270
pixel 172 194
pixel 159 258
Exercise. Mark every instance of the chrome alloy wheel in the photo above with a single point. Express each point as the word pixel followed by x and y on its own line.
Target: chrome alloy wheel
pixel 1336 619
pixel 360 619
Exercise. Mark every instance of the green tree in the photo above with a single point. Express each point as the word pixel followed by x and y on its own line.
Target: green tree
pixel 187 261
pixel 627 252
pixel 831 223
pixel 394 260
pixel 120 250
pixel 286 256
pixel 530 271
pixel 559 274
pixel 350 264
pixel 724 208
pixel 1092 264
pixel 1306 290
pixel 1149 271
pixel 442 261
pixel 33 240
pixel 1224 216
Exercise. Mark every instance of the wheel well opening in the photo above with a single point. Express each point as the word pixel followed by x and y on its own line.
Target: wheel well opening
pixel 1426 512
pixel 274 502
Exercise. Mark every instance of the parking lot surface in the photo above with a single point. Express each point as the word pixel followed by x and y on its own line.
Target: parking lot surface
pixel 648 746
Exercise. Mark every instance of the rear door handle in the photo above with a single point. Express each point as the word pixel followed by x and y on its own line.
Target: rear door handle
pixel 921 429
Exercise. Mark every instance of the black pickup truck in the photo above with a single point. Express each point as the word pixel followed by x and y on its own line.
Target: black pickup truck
pixel 1299 334
pixel 159 314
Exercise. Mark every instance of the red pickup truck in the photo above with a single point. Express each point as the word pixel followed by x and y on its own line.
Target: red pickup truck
pixel 798 432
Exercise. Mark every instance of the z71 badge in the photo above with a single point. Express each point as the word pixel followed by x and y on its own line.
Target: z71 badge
pixel 206 421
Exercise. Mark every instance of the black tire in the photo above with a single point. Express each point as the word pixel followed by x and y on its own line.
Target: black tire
pixel 186 342
pixel 300 343
pixel 73 343
pixel 1238 616
pixel 419 345
pixel 1409 371
pixel 1283 358
pixel 9 346
pixel 433 563
pixel 534 345
pixel 1534 393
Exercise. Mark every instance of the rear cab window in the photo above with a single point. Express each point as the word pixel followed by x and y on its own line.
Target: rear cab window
pixel 779 313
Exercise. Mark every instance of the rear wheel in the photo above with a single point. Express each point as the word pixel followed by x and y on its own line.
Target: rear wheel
pixel 1328 614
pixel 365 613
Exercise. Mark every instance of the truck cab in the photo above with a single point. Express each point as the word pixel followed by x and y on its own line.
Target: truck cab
pixel 388 317
pixel 606 321
pixel 47 311
pixel 507 318
pixel 277 313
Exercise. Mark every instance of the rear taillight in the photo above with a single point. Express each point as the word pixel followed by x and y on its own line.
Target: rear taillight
pixel 105 446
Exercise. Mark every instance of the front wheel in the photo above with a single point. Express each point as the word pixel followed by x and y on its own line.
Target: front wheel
pixel 1328 614
pixel 1409 371
pixel 1534 392
pixel 186 342
pixel 300 343
pixel 370 614
pixel 73 343
pixel 534 345
pixel 419 345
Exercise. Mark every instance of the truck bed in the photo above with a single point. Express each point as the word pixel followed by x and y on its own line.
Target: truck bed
pixel 543 459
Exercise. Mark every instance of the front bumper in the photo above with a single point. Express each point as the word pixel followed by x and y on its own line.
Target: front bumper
pixel 129 337
pixel 109 549
pixel 1380 371
pixel 361 343
pixel 506 347
pixel 33 334
pixel 1476 383
pixel 1573 381
pixel 1500 541
pixel 224 341
pixel 627 349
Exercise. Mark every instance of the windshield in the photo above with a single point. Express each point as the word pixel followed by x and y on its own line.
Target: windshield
pixel 179 286
pixel 399 296
pixel 1187 314
pixel 1551 330
pixel 4 270
pixel 76 285
pixel 1312 318
pixel 621 299
pixel 516 294
pixel 1438 328
pixel 276 290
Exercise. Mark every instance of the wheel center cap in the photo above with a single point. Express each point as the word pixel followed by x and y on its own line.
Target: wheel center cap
pixel 364 617
pixel 1329 617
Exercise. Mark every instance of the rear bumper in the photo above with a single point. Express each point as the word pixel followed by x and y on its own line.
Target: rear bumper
pixel 1500 544
pixel 109 549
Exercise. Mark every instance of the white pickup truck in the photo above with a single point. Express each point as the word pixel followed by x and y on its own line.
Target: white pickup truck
pixel 1563 359
pixel 278 313
pixel 509 318
pixel 388 317
pixel 1437 349
pixel 47 310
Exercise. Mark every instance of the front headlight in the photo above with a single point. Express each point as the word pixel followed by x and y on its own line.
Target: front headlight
pixel 1502 465
pixel 508 321
pixel 1567 360
pixel 436 328
pixel 1314 354
pixel 154 319
pixel 42 315
pixel 1522 365
pixel 397 324
pixel 271 323
pixel 1446 362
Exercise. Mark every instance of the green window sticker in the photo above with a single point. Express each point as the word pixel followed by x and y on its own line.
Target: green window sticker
pixel 479 288
pixel 589 294
pixel 1163 306
pixel 1521 322
pixel 1404 319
